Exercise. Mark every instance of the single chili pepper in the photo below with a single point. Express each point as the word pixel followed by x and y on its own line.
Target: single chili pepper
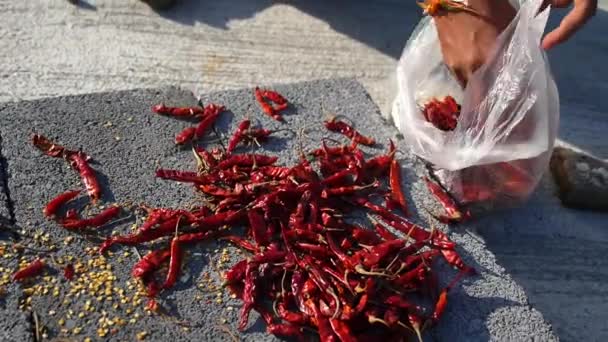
pixel 33 269
pixel 68 272
pixel 150 262
pixel 344 259
pixel 236 273
pixel 250 293
pixel 205 124
pixel 266 107
pixel 378 253
pixel 152 289
pixel 165 229
pixel 247 160
pixel 316 250
pixel 177 111
pixel 342 127
pixel 237 137
pixel 185 136
pixel 365 236
pixel 53 206
pixel 258 228
pixel 52 149
pixel 412 230
pixel 259 134
pixel 284 330
pixel 291 316
pixel 341 329
pixel 175 263
pixel 87 174
pixel 206 156
pixel 386 234
pixel 395 183
pixel 93 222
pixel 448 203
pixel 274 97
pixel 240 242
pixel 339 178
pixel 348 190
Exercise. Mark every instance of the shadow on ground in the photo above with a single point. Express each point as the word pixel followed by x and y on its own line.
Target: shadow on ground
pixel 558 256
pixel 383 24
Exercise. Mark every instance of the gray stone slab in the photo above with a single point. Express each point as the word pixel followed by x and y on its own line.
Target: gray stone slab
pixel 490 306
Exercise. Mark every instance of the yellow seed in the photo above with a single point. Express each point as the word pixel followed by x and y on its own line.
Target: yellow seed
pixel 87 339
pixel 51 312
pixel 132 321
pixel 81 315
pixel 102 332
pixel 141 335
pixel 77 330
pixel 61 321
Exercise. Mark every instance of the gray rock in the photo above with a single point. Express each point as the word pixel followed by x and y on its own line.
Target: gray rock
pixel 582 179
pixel 490 306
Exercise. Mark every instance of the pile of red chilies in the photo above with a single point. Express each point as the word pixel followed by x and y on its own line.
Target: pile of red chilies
pixel 443 114
pixel 308 269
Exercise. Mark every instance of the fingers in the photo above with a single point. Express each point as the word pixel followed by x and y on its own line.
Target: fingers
pixel 554 3
pixel 583 10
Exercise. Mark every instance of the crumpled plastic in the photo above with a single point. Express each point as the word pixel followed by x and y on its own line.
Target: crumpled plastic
pixel 509 115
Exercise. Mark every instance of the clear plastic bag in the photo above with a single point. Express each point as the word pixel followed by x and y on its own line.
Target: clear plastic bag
pixel 509 112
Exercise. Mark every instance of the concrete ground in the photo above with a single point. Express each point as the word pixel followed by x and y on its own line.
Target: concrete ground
pixel 52 48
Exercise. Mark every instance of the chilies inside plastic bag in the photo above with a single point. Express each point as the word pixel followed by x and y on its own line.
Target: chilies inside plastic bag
pixel 509 116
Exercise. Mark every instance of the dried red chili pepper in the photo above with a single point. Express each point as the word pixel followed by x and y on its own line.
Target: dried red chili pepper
pixel 185 136
pixel 284 330
pixel 89 179
pixel 237 272
pixel 448 203
pixel 182 176
pixel 53 206
pixel 345 129
pixel 237 137
pixel 33 269
pixel 258 228
pixel 274 97
pixel 175 263
pixel 204 125
pixel 150 262
pixel 52 149
pixel 396 191
pixel 250 293
pixel 177 111
pixel 92 222
pixel 68 272
pixel 247 160
pixel 266 107
pixel 240 242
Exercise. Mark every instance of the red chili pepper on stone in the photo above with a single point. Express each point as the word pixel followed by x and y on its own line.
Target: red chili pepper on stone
pixel 177 111
pixel 96 221
pixel 267 107
pixel 237 137
pixel 345 129
pixel 150 262
pixel 89 179
pixel 185 136
pixel 175 263
pixel 53 206
pixel 451 208
pixel 33 269
pixel 396 191
pixel 68 272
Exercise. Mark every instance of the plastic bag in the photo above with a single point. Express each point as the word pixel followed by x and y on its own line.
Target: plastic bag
pixel 509 115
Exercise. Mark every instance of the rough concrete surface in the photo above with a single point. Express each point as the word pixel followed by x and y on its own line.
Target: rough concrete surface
pixel 490 306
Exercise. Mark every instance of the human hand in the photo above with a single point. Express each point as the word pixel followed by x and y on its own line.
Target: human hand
pixel 582 11
pixel 467 39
